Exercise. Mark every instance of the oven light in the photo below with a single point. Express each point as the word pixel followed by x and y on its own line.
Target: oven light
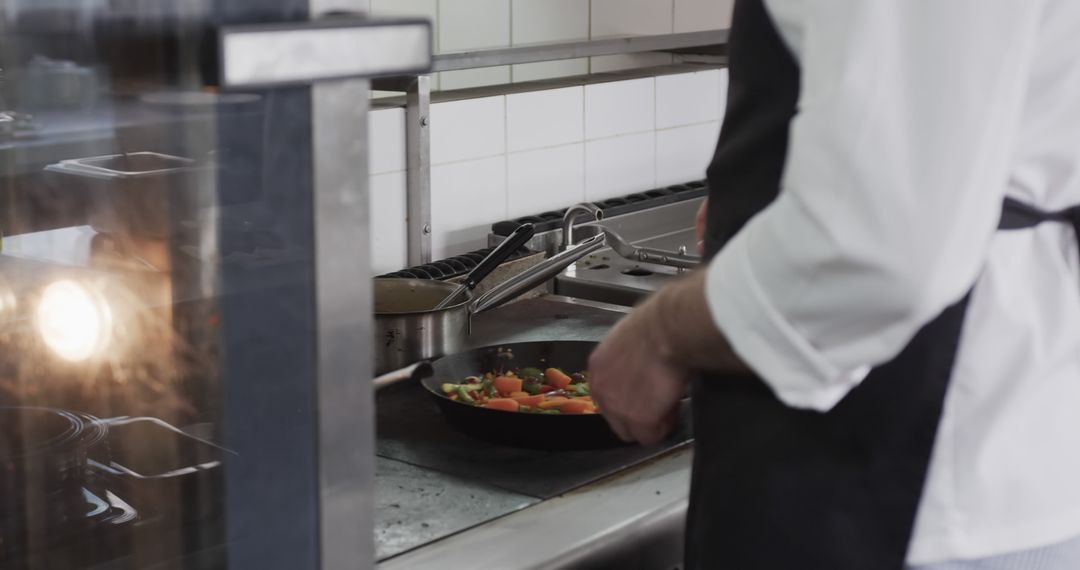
pixel 72 321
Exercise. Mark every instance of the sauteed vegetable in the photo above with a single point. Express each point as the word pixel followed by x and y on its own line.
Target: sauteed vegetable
pixel 528 390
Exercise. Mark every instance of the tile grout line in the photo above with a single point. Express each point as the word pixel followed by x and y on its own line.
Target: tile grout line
pixel 506 154
pixel 510 34
pixel 656 131
pixel 589 36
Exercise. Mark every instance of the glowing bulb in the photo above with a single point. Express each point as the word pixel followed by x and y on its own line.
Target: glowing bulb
pixel 72 321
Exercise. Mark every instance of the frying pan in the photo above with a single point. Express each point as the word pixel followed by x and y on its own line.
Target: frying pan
pixel 542 431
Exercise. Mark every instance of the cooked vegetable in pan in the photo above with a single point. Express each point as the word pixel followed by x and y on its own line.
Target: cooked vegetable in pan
pixel 528 390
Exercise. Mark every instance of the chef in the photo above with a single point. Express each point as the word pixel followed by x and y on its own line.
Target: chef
pixel 884 350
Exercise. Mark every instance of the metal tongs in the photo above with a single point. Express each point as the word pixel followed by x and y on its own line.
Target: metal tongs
pixel 679 259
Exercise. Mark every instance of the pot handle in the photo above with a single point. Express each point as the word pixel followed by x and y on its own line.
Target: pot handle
pixel 416 371
pixel 517 285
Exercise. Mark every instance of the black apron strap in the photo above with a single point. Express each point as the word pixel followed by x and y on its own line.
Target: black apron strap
pixel 1016 215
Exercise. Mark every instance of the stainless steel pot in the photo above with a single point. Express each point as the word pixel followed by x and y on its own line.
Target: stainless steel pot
pixel 408 329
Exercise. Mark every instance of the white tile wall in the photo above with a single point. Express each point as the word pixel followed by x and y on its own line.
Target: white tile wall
pixel 507 156
pixel 683 153
pixel 466 198
pixel 388 216
pixel 625 17
pixel 537 21
pixel 617 166
pixel 473 24
pixel 549 69
pixel 468 129
pixel 546 179
pixel 620 107
pixel 386 141
pixel 698 15
pixel 477 24
pixel 544 118
pixel 687 98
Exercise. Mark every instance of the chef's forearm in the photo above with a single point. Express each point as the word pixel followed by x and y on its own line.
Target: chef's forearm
pixel 685 331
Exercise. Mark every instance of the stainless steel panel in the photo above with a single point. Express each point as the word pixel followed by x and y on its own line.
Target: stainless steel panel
pixel 416 506
pixel 607 277
pixel 571 50
pixel 632 520
pixel 332 48
pixel 343 308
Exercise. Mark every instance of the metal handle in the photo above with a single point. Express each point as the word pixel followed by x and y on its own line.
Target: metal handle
pixel 671 259
pixel 512 243
pixel 535 275
pixel 648 255
pixel 416 371
pixel 522 234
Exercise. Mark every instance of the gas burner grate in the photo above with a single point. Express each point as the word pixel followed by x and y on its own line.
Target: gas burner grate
pixel 630 203
pixel 452 266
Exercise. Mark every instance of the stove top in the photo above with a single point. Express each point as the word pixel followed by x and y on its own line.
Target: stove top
pixel 433 481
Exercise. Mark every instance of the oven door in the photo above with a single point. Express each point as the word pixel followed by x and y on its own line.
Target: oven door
pixel 181 332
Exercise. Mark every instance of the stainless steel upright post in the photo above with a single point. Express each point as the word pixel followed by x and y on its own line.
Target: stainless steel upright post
pixel 418 162
pixel 346 408
pixel 260 56
pixel 343 305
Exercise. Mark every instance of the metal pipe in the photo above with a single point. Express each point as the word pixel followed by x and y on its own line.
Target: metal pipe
pixel 569 218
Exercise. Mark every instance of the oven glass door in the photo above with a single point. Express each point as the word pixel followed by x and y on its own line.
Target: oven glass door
pixel 183 340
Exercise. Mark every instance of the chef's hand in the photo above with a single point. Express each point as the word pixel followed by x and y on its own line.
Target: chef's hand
pixel 641 371
pixel 636 385
pixel 699 226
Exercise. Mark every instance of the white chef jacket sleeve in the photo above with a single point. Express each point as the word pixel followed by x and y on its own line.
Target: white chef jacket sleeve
pixel 897 165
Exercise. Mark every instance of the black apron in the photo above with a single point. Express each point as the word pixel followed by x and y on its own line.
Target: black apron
pixel 786 489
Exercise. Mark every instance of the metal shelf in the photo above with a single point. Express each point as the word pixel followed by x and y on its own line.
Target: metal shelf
pixel 418 102
pixel 536 53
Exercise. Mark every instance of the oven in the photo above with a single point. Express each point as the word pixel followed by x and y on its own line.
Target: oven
pixel 179 332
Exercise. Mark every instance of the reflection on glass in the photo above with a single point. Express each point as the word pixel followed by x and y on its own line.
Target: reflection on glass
pixel 73 322
pixel 156 361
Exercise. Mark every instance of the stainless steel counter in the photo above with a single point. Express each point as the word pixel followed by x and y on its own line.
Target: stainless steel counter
pixel 632 520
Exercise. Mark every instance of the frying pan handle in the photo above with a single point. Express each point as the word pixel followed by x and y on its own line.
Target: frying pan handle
pixel 512 243
pixel 526 280
pixel 417 371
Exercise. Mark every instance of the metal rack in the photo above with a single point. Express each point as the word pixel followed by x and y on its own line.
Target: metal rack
pixel 417 91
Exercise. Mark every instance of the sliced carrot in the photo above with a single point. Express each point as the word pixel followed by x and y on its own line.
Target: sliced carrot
pixel 507 385
pixel 504 404
pixel 516 395
pixel 575 407
pixel 557 378
pixel 528 400
pixel 552 403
